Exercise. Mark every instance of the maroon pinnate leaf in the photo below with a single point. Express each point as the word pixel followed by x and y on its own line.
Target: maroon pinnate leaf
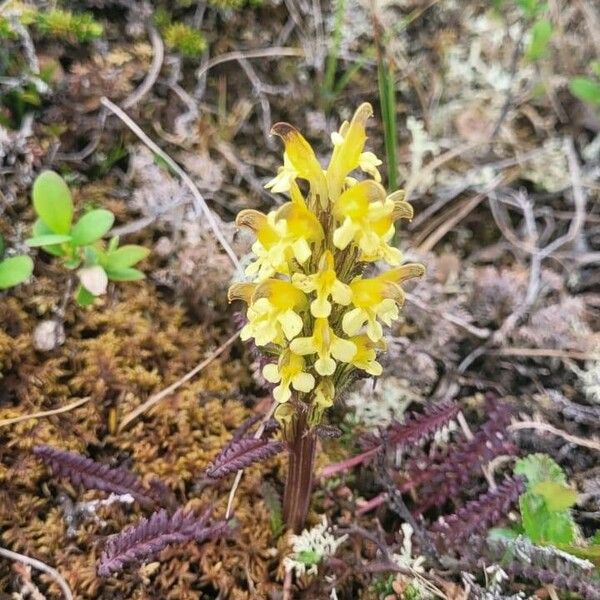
pixel 241 453
pixel 149 536
pixel 90 474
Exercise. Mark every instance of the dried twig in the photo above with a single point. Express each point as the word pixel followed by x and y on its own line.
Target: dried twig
pixel 200 203
pixel 46 413
pixel 262 53
pixel 41 566
pixel 547 428
pixel 157 60
pixel 155 398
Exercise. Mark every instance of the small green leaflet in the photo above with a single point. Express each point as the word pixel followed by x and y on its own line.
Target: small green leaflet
pixel 92 226
pixel 48 239
pixel 15 270
pixel 53 202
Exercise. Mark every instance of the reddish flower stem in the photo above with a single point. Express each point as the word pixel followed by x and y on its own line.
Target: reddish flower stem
pixel 298 486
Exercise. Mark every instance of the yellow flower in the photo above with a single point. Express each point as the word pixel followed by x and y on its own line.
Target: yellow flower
pixel 376 299
pixel 326 344
pixel 348 145
pixel 273 308
pixel 281 236
pixel 366 354
pixel 367 217
pixel 302 160
pixel 286 175
pixel 323 399
pixel 288 372
pixel 324 283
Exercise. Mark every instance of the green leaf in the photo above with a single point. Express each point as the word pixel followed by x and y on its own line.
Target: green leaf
pixel 542 525
pixel 52 201
pixel 15 270
pixel 539 467
pixel 92 226
pixel 557 496
pixel 308 557
pixel 83 297
pixel 124 274
pixel 40 228
pixel 585 90
pixel 126 256
pixel 2 245
pixel 541 33
pixel 49 239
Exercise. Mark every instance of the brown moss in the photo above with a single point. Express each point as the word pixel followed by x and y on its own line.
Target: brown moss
pixel 119 353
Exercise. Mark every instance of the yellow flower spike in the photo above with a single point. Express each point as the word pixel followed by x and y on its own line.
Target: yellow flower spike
pixel 327 345
pixel 377 299
pixel 325 284
pixel 288 372
pixel 323 399
pixel 273 311
pixel 348 143
pixel 366 354
pixel 302 159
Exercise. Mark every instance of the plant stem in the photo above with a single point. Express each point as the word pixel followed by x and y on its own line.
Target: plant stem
pixel 298 486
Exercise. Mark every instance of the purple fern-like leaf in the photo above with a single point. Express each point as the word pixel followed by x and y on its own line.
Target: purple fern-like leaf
pixel 416 428
pixel 149 536
pixel 477 516
pixel 454 469
pixel 241 453
pixel 90 474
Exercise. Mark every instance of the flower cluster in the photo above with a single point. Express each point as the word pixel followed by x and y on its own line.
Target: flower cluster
pixel 308 302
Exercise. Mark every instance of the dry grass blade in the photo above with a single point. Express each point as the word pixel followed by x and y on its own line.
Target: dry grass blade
pixel 45 413
pixel 41 566
pixel 134 414
pixel 185 178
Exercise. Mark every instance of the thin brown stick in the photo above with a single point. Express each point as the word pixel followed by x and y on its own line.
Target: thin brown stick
pixel 261 53
pixel 157 60
pixel 41 566
pixel 547 428
pixel 185 178
pixel 45 413
pixel 543 353
pixel 465 210
pixel 155 398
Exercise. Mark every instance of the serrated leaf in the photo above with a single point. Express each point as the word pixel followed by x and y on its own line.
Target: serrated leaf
pixel 541 33
pixel 92 226
pixel 48 239
pixel 126 256
pixel 542 525
pixel 125 274
pixel 53 202
pixel 557 496
pixel 15 270
pixel 585 90
pixel 539 467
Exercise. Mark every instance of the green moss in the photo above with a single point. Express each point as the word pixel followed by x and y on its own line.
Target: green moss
pixel 6 31
pixel 184 39
pixel 68 26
